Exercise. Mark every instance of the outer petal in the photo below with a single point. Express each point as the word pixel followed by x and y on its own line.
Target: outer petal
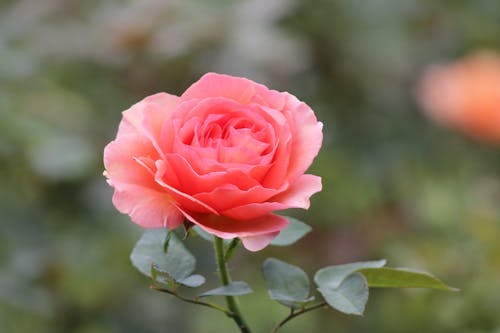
pixel 228 228
pixel 296 196
pixel 148 208
pixel 237 88
pixel 307 136
pixel 299 193
pixel 132 123
pixel 257 243
pixel 121 165
pixel 219 85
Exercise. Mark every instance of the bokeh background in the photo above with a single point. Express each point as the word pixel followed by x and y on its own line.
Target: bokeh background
pixel 396 185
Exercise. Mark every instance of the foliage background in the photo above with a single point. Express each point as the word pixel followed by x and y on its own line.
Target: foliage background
pixel 396 186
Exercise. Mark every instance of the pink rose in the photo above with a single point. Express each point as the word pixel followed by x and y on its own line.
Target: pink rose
pixel 224 155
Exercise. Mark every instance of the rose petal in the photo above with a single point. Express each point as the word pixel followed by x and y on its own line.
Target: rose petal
pixel 154 117
pixel 219 85
pixel 253 210
pixel 182 198
pixel 296 196
pixel 229 196
pixel 122 166
pixel 227 228
pixel 148 208
pixel 278 172
pixel 307 136
pixel 239 89
pixel 257 243
pixel 299 193
pixel 191 182
pixel 163 105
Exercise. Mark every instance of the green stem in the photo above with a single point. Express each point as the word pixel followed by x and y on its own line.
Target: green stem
pixel 294 314
pixel 225 280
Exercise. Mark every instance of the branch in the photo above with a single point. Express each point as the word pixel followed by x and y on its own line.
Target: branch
pixel 294 314
pixel 194 301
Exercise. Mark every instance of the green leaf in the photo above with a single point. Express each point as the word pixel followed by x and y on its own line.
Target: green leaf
pixel 402 278
pixel 286 283
pixel 292 233
pixel 178 262
pixel 160 276
pixel 203 234
pixel 193 281
pixel 350 296
pixel 157 275
pixel 332 276
pixel 231 249
pixel 235 288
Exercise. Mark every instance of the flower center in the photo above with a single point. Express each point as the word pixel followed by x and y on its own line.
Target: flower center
pixel 230 139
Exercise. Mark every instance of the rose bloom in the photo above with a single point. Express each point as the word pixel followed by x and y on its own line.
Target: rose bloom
pixel 223 156
pixel 465 95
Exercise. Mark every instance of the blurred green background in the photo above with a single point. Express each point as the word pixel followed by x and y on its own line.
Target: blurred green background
pixel 396 186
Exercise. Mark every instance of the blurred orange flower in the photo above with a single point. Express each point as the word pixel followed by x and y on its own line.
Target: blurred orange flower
pixel 465 95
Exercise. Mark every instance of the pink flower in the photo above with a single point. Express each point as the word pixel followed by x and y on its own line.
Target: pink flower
pixel 465 95
pixel 224 156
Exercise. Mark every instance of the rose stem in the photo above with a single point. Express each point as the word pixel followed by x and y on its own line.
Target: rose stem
pixel 225 280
